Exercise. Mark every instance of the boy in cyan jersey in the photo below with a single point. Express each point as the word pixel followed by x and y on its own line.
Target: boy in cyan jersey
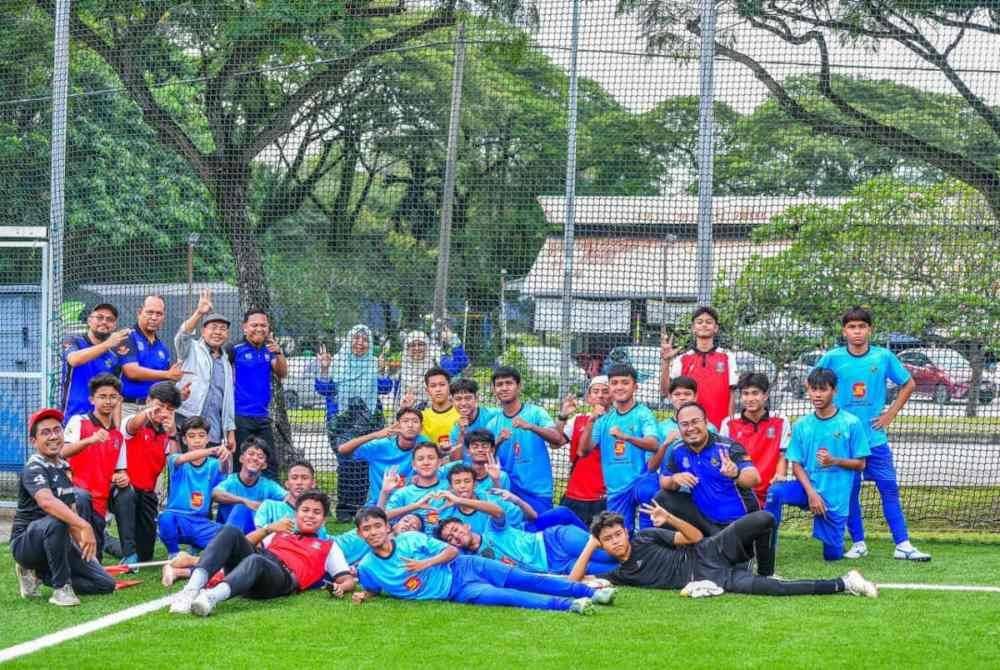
pixel 471 415
pixel 418 497
pixel 241 493
pixel 624 434
pixel 828 448
pixel 390 447
pixel 862 371
pixel 414 566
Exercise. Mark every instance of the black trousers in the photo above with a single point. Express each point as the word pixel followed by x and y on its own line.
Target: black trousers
pixel 252 573
pixel 247 426
pixel 724 556
pixel 46 547
pixel 586 510
pixel 135 512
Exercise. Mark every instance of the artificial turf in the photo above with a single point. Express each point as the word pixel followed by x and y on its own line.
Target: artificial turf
pixel 644 629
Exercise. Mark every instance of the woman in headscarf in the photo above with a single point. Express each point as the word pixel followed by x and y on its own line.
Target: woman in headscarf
pixel 420 354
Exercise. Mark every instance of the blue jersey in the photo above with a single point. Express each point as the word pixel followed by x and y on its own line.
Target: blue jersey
pixel 389 575
pixel 191 485
pixel 271 511
pixel 353 546
pixel 482 421
pixel 861 384
pixel 251 378
pixel 262 489
pixel 75 392
pixel 412 493
pixel 478 521
pixel 843 436
pixel 152 355
pixel 622 462
pixel 716 495
pixel 381 455
pixel 513 546
pixel 525 455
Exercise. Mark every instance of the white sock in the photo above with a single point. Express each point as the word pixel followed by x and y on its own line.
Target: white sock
pixel 197 580
pixel 905 546
pixel 219 592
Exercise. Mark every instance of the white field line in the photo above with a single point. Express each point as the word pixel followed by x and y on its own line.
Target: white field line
pixel 941 587
pixel 73 632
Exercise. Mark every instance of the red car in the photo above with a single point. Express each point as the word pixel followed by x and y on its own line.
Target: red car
pixel 943 374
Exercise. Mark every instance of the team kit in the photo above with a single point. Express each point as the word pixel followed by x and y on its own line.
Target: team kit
pixel 459 501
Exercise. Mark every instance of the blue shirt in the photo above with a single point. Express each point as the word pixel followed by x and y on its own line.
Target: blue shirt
pixel 153 355
pixel 411 493
pixel 251 378
pixel 716 495
pixel 844 436
pixel 861 384
pixel 75 393
pixel 525 455
pixel 389 575
pixel 276 510
pixel 191 485
pixel 482 421
pixel 352 545
pixel 381 455
pixel 622 462
pixel 263 489
pixel 514 546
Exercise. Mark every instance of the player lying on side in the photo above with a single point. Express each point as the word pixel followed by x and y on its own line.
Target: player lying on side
pixel 672 557
pixel 414 566
pixel 270 562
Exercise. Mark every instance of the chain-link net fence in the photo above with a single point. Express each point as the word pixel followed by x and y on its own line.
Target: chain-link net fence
pixel 292 156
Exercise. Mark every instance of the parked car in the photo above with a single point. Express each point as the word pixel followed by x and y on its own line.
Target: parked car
pixel 543 364
pixel 797 371
pixel 299 390
pixel 942 375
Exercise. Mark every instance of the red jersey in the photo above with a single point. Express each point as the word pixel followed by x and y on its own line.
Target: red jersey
pixel 307 557
pixel 716 374
pixel 93 467
pixel 765 442
pixel 586 481
pixel 146 453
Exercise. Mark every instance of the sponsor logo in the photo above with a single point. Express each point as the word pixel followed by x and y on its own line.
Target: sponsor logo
pixel 412 583
pixel 433 517
pixel 859 389
pixel 620 448
pixel 197 499
pixel 317 545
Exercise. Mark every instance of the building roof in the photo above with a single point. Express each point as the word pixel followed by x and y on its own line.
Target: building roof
pixel 633 268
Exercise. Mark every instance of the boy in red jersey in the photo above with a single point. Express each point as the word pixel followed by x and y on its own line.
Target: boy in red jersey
pixel 585 491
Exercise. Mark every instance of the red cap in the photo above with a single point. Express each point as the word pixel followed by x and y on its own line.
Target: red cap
pixel 44 413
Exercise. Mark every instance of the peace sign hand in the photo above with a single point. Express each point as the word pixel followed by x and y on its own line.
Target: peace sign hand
pixel 728 468
pixel 205 302
pixel 667 349
pixel 655 512
pixel 493 470
pixel 324 359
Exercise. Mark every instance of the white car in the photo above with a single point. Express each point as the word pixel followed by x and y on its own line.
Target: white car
pixel 299 384
pixel 543 364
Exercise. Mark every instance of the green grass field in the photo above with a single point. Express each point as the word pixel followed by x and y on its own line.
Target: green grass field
pixel 644 629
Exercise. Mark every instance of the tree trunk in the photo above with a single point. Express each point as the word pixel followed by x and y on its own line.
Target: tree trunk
pixel 231 200
pixel 976 361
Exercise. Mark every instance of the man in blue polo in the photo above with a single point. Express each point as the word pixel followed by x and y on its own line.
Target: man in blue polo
pixel 707 480
pixel 254 359
pixel 147 357
pixel 86 356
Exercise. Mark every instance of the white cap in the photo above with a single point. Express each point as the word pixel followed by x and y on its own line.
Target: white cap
pixel 598 379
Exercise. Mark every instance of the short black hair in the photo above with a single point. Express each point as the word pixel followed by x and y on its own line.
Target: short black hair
pixel 317 495
pixel 700 407
pixel 705 309
pixel 623 370
pixel 856 313
pixel 505 372
pixel 104 379
pixel 303 463
pixel 753 380
pixel 403 411
pixel 369 512
pixel 166 393
pixel 425 445
pixel 461 468
pixel 480 435
pixel 604 520
pixel 256 442
pixel 683 382
pixel 821 378
pixel 465 385
pixel 436 371
pixel 194 423
pixel 439 531
pixel 255 310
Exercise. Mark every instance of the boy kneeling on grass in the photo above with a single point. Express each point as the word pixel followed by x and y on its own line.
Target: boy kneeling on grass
pixel 285 561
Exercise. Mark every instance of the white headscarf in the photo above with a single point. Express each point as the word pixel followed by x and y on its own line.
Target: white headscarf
pixel 411 372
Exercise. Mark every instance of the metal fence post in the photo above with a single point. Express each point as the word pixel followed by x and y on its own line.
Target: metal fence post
pixel 705 150
pixel 566 336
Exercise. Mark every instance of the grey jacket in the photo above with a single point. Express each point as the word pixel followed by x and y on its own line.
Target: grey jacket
pixel 197 359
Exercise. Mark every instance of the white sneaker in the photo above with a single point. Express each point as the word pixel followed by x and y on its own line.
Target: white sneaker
pixel 28 582
pixel 64 597
pixel 912 554
pixel 203 604
pixel 857 550
pixel 582 606
pixel 181 604
pixel 604 596
pixel 857 585
pixel 597 583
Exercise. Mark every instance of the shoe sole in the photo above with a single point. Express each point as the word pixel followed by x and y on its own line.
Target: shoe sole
pixel 921 559
pixel 59 603
pixel 200 610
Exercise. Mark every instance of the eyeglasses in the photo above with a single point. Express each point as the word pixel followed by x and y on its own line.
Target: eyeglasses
pixel 49 432
pixel 684 425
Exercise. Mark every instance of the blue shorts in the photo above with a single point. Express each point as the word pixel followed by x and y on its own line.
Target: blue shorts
pixel 879 465
pixel 564 544
pixel 828 529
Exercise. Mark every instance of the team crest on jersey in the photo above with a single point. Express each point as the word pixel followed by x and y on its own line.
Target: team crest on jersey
pixel 444 442
pixel 770 432
pixel 140 346
pixel 837 435
pixel 248 355
pixel 161 354
pixel 720 367
pixel 412 583
pixel 487 553
pixel 620 448
pixel 197 499
pixel 859 389
pixel 716 462
pixel 685 462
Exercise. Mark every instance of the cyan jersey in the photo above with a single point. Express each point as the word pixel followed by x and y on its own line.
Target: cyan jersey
pixel 412 493
pixel 844 437
pixel 191 485
pixel 482 421
pixel 262 489
pixel 389 575
pixel 352 545
pixel 861 384
pixel 513 546
pixel 621 462
pixel 525 455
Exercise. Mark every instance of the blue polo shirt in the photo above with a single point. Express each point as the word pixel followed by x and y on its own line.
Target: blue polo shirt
pixel 716 496
pixel 844 436
pixel 154 355
pixel 75 394
pixel 251 379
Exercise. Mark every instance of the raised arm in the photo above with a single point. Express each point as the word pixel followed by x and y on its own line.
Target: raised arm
pixel 661 517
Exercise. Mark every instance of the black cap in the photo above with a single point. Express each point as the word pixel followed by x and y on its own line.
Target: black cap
pixel 105 305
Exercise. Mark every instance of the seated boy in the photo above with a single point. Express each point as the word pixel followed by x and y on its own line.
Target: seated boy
pixel 417 497
pixel 241 493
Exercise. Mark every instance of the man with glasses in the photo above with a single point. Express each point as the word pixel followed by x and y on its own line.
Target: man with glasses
pixel 98 351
